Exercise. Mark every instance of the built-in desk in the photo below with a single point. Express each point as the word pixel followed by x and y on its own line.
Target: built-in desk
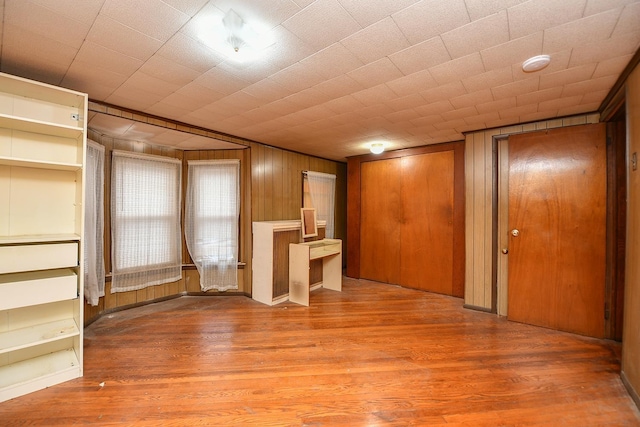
pixel 270 264
pixel 300 256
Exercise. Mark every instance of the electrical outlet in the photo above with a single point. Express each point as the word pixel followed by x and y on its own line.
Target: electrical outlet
pixel 634 161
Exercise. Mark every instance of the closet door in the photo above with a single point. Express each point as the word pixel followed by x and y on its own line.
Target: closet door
pixel 380 220
pixel 426 229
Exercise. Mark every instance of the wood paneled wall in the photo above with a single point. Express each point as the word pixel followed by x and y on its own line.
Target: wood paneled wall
pixel 276 185
pixel 631 330
pixel 271 186
pixel 482 221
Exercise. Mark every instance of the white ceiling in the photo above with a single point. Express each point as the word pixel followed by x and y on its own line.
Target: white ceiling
pixel 341 73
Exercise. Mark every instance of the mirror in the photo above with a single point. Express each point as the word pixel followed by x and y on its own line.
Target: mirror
pixel 309 222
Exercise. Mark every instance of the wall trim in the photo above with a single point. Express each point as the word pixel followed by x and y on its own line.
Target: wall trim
pixel 632 392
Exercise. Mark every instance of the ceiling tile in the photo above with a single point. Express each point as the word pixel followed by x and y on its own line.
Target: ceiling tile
pixel 421 56
pixel 34 56
pixel 339 86
pixel 477 35
pixel 480 8
pixel 333 61
pixel 472 98
pixel 536 15
pixel 83 11
pixel 582 31
pixel 189 53
pixel 344 104
pixel 169 71
pixel 107 59
pixel 406 102
pixel 498 105
pixel 557 104
pixel 588 86
pixel 625 44
pixel 512 52
pixel 189 7
pixel 322 23
pixel 375 95
pixel 628 20
pixel 375 73
pixel 366 13
pixel 516 88
pixel 429 18
pixel 613 66
pixel 36 19
pixel 459 114
pixel 308 97
pixel 458 69
pixel 443 92
pixel 157 20
pixel 87 74
pixel 297 77
pixel 412 83
pixel 515 112
pixel 267 90
pixel 288 48
pixel 565 77
pixel 495 77
pixel 116 36
pixel 597 6
pixel 221 81
pixel 435 108
pixel 376 41
pixel 539 96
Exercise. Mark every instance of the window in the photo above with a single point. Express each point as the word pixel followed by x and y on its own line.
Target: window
pixel 319 193
pixel 211 221
pixel 94 224
pixel 145 221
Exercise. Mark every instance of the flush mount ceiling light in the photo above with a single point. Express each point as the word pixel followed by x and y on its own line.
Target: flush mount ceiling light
pixel 376 147
pixel 536 63
pixel 234 38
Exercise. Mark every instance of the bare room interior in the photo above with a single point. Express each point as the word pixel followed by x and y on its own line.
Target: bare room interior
pixel 320 212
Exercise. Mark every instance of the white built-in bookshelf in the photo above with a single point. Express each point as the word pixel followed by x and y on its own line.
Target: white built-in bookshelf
pixel 42 151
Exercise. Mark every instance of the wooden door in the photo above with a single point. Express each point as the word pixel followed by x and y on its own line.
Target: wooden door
pixel 557 204
pixel 380 221
pixel 426 232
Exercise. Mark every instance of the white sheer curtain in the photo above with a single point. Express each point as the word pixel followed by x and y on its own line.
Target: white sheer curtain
pixel 211 221
pixel 322 188
pixel 145 221
pixel 94 223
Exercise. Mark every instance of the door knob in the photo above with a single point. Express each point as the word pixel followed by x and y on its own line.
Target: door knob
pixel 505 251
pixel 515 232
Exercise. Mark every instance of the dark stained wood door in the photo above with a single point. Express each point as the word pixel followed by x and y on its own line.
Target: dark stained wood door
pixel 380 221
pixel 426 233
pixel 557 204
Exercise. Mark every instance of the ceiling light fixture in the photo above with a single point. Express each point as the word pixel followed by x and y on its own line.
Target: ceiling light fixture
pixel 236 39
pixel 376 147
pixel 536 63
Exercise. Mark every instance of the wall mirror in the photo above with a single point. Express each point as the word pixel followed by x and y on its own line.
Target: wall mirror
pixel 309 222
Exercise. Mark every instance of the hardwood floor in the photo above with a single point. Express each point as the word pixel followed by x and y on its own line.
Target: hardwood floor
pixel 373 355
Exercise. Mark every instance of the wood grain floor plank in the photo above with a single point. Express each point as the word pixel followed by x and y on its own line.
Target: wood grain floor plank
pixel 372 355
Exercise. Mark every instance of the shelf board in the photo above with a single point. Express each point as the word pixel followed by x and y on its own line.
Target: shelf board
pixel 40 127
pixel 39 238
pixel 41 91
pixel 39 164
pixel 38 334
pixel 38 369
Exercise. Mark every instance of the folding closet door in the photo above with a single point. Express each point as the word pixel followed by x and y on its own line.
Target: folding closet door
pixel 380 220
pixel 426 229
pixel 407 221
